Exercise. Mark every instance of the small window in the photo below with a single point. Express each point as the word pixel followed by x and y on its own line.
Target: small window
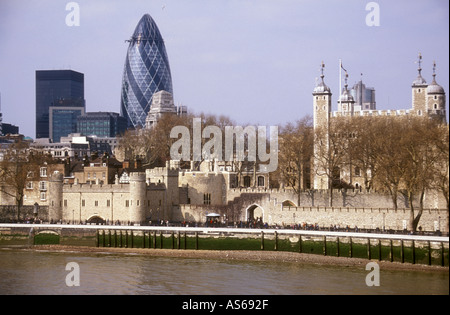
pixel 83 203
pixel 43 172
pixel 357 171
pixel 260 181
pixel 206 199
pixel 42 185
pixel 435 106
pixel 96 203
pixel 43 195
pixel 65 203
pixel 108 203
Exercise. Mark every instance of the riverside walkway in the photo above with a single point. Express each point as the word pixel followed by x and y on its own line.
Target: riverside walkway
pixel 226 230
pixel 433 250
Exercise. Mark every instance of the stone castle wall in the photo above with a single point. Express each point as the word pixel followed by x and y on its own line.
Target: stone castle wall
pixel 198 184
pixel 142 201
pixel 341 198
pixel 363 218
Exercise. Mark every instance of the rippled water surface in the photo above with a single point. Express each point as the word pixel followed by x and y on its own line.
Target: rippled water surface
pixel 31 272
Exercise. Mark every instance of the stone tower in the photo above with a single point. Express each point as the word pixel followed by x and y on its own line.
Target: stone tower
pixel 166 177
pixel 346 102
pixel 322 102
pixel 322 110
pixel 55 196
pixel 138 198
pixel 419 92
pixel 436 98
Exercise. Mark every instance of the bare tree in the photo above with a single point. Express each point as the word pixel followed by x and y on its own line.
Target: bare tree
pixel 18 167
pixel 421 160
pixel 409 160
pixel 441 142
pixel 151 146
pixel 331 153
pixel 390 164
pixel 296 151
pixel 362 150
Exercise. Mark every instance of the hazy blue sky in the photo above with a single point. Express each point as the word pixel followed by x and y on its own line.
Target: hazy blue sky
pixel 255 61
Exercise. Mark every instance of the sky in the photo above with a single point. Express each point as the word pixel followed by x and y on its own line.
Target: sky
pixel 255 61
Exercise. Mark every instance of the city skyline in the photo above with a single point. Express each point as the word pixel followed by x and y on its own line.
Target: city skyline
pixel 254 61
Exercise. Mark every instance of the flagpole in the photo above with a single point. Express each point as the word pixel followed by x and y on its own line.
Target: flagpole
pixel 340 76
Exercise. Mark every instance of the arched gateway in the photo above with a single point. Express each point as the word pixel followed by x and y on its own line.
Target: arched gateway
pixel 95 219
pixel 254 212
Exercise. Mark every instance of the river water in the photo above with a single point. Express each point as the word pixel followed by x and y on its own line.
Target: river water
pixel 37 272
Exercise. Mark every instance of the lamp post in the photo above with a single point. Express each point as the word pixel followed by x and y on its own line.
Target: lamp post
pixel 35 210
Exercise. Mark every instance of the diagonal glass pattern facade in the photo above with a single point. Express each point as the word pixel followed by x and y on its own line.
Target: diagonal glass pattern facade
pixel 146 72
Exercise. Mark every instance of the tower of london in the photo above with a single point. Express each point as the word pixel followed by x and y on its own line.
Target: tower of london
pixel 428 100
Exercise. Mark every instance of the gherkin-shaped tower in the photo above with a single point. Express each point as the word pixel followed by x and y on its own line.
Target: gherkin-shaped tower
pixel 146 72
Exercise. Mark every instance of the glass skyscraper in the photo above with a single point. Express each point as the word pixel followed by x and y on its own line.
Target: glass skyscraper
pixel 146 72
pixel 364 97
pixel 101 124
pixel 52 88
pixel 63 120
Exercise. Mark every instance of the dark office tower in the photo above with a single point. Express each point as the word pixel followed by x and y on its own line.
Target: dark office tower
pixel 54 88
pixel 146 72
pixel 101 124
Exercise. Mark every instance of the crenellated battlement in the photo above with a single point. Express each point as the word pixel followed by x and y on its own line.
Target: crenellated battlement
pixel 368 113
pixel 98 188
